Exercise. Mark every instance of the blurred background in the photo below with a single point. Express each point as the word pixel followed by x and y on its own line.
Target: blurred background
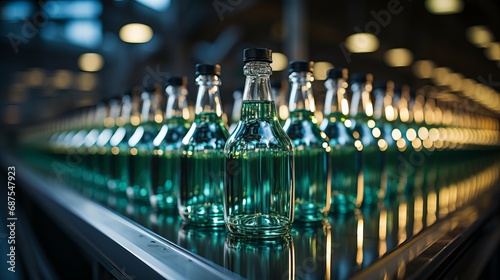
pixel 58 56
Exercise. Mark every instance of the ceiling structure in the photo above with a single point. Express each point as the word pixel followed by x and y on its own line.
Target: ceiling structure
pixel 42 42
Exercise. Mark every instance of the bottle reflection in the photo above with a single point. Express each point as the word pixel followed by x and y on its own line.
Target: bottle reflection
pixel 207 242
pixel 313 246
pixel 260 258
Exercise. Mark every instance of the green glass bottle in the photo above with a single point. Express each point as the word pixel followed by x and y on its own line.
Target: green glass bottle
pixel 165 171
pixel 116 150
pixel 101 166
pixel 382 127
pixel 311 147
pixel 362 114
pixel 347 189
pixel 259 182
pixel 141 147
pixel 200 198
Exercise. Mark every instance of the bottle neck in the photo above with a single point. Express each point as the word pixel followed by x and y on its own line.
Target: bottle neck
pixel 361 99
pixel 176 102
pixel 151 106
pixel 208 98
pixel 257 83
pixel 257 97
pixel 126 109
pixel 301 97
pixel 336 100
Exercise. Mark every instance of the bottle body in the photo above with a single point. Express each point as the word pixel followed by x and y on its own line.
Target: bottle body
pixel 259 171
pixel 166 161
pixel 200 198
pixel 311 148
pixel 347 176
pixel 312 167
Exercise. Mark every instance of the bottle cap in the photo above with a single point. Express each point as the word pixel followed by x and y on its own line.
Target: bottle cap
pixel 336 73
pixel 177 81
pixel 300 66
pixel 207 69
pixel 257 54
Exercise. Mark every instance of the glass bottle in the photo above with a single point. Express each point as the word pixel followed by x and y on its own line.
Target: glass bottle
pixel 116 149
pixel 200 198
pixel 383 115
pixel 166 155
pixel 311 147
pixel 362 114
pixel 259 182
pixel 140 145
pixel 101 166
pixel 347 189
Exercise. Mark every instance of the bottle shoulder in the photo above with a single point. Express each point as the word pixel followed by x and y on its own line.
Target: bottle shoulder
pixel 255 134
pixel 206 134
pixel 305 132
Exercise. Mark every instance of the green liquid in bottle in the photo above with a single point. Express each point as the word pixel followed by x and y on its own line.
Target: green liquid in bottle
pixel 312 164
pixel 140 161
pixel 165 166
pixel 259 174
pixel 202 171
pixel 347 176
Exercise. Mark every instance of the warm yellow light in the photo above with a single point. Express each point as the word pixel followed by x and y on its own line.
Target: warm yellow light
pixel 319 70
pixel 35 77
pixel 401 143
pixel 423 68
pixel 389 113
pixel 479 35
pixel 423 133
pixel 136 33
pixel 382 144
pixel 362 43
pixel 358 145
pixel 455 81
pixel 441 76
pixel 411 134
pixel 90 62
pixel 416 144
pixel 493 51
pixel 399 57
pixel 283 112
pixel 135 120
pixel 86 81
pixel 376 132
pixel 280 62
pixel 396 134
pixel 468 87
pixel 444 7
pixel 62 79
pixel 371 123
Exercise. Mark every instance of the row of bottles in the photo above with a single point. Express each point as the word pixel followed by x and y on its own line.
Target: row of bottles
pixel 265 175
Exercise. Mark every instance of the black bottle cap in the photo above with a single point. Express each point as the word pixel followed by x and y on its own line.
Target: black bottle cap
pixel 177 81
pixel 336 73
pixel 207 69
pixel 300 66
pixel 257 54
